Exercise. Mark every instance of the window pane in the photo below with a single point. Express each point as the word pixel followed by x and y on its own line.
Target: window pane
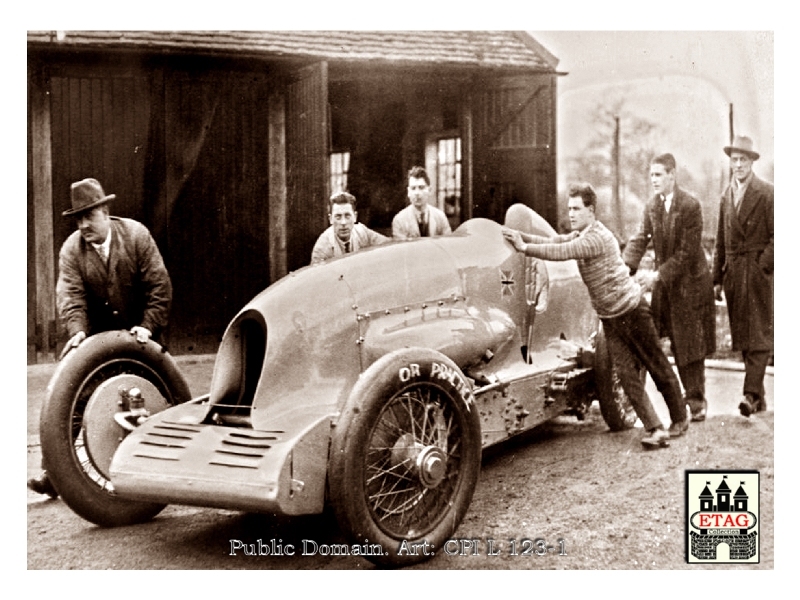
pixel 340 165
pixel 449 176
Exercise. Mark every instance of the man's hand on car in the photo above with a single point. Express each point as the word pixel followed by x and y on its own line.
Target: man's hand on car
pixel 142 334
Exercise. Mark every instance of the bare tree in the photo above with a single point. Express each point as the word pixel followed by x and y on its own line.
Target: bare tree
pixel 595 164
pixel 707 188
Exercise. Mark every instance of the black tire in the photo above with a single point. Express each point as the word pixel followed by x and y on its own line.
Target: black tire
pixel 615 406
pixel 405 456
pixel 81 479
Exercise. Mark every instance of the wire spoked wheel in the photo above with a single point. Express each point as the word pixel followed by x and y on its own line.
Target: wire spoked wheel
pixel 405 455
pixel 95 435
pixel 78 432
pixel 412 461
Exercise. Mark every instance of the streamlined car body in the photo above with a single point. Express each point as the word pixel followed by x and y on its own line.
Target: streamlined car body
pixel 370 383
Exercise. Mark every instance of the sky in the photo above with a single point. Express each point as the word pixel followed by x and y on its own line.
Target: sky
pixel 686 81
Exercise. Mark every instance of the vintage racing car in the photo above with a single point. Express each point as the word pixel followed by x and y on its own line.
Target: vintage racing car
pixel 370 383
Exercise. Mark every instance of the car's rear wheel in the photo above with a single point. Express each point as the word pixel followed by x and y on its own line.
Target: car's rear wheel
pixel 615 406
pixel 78 431
pixel 405 456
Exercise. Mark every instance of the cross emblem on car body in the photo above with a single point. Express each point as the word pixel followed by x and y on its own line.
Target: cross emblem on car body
pixel 507 283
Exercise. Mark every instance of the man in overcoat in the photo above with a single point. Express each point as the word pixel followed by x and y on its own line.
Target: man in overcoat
pixel 110 276
pixel 744 265
pixel 683 293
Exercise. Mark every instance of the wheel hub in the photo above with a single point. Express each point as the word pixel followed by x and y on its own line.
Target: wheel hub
pixel 427 463
pixel 431 466
pixel 102 434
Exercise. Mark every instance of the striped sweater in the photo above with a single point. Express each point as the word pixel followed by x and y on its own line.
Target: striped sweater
pixel 612 290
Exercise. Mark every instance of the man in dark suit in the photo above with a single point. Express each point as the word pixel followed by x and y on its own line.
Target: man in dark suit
pixel 110 276
pixel 744 265
pixel 682 294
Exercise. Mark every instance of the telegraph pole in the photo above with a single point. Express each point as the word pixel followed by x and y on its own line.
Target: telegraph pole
pixel 617 201
pixel 730 122
pixel 730 133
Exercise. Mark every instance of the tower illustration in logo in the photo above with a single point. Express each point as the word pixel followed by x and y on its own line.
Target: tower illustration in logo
pixel 722 525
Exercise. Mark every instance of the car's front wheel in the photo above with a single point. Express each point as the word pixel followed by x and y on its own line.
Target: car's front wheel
pixel 78 430
pixel 405 456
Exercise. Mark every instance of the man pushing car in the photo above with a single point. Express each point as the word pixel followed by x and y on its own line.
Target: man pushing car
pixel 621 306
pixel 110 276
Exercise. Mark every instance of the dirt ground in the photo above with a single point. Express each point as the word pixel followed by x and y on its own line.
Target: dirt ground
pixel 614 505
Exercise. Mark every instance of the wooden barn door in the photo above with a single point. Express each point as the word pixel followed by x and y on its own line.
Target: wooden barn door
pixel 100 126
pixel 514 146
pixel 307 167
pixel 216 195
pixel 84 122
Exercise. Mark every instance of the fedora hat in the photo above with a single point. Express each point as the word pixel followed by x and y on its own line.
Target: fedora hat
pixel 742 143
pixel 86 194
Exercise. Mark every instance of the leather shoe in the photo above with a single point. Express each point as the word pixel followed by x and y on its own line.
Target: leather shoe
pixel 678 428
pixel 42 485
pixel 656 438
pixel 699 410
pixel 747 406
pixel 761 405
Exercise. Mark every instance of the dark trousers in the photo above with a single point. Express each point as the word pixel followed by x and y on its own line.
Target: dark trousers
pixel 633 341
pixel 755 366
pixel 693 374
pixel 693 378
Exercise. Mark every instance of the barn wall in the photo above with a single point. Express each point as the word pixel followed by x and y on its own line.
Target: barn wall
pixel 225 160
pixel 385 121
pixel 515 146
pixel 307 148
pixel 216 199
pixel 184 146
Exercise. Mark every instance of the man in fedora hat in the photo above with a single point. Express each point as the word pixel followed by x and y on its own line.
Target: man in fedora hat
pixel 743 268
pixel 110 276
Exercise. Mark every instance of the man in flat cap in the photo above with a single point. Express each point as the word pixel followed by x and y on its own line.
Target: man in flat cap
pixel 110 276
pixel 744 265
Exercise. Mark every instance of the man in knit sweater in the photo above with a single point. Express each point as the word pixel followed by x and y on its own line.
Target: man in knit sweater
pixel 618 301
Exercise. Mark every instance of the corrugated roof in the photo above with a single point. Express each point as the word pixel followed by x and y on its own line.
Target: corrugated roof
pixel 493 49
